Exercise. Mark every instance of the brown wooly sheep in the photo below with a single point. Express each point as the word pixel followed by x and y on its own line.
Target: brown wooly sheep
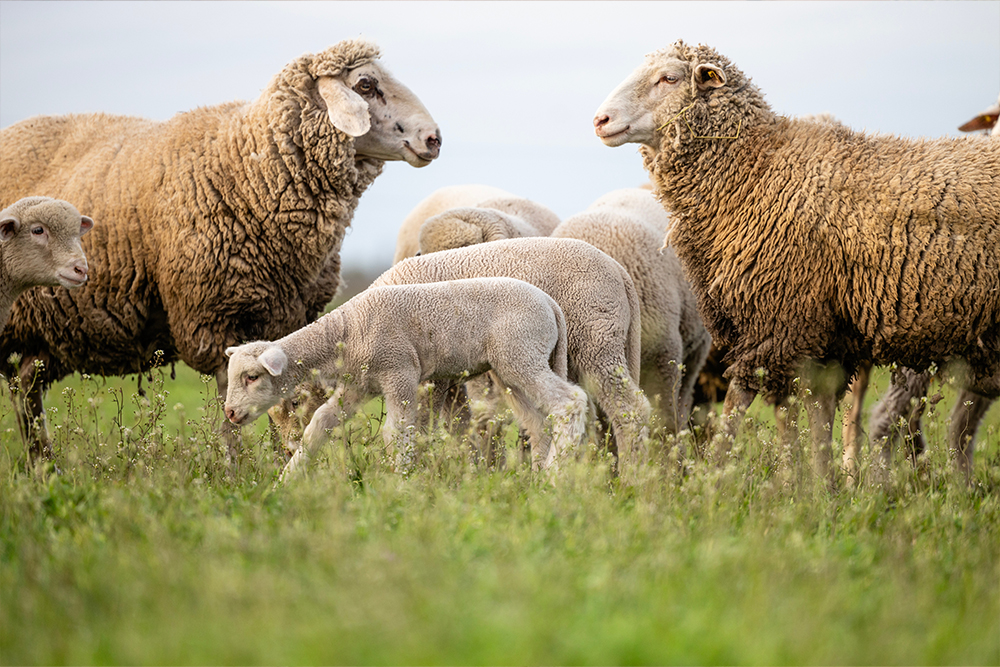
pixel 812 247
pixel 219 225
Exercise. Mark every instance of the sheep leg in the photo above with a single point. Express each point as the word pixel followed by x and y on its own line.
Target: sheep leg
pixel 852 433
pixel 969 410
pixel 31 413
pixel 626 408
pixel 694 361
pixel 553 412
pixel 734 408
pixel 401 421
pixel 663 379
pixel 824 384
pixel 903 397
pixel 326 417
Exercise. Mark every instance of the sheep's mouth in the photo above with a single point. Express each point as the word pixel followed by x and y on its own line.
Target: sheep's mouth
pixel 612 137
pixel 71 281
pixel 420 159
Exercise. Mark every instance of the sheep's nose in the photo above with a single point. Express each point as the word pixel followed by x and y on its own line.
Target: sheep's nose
pixel 231 415
pixel 600 120
pixel 81 268
pixel 433 143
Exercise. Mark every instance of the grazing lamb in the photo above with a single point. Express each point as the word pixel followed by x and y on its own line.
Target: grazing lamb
pixel 812 247
pixel 40 245
pixel 460 227
pixel 463 196
pixel 601 306
pixel 389 339
pixel 219 225
pixel 629 225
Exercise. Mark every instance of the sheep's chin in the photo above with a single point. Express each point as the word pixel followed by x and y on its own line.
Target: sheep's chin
pixel 70 282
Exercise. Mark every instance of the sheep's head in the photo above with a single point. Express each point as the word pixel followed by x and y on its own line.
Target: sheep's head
pixel 678 87
pixel 255 380
pixel 365 101
pixel 46 233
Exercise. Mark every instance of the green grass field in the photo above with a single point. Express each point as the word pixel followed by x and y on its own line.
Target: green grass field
pixel 148 548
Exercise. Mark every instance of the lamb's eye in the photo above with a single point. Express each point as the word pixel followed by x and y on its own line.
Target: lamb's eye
pixel 38 231
pixel 364 86
pixel 668 78
pixel 251 379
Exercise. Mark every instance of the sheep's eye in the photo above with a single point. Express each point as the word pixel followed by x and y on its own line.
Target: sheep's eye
pixel 251 379
pixel 668 78
pixel 364 86
pixel 38 231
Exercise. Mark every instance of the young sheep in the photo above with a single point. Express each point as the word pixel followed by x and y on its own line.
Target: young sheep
pixel 389 339
pixel 460 227
pixel 40 245
pixel 599 300
pixel 534 215
pixel 810 245
pixel 218 225
pixel 629 225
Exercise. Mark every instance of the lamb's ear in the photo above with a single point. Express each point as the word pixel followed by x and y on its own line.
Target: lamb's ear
pixel 231 350
pixel 9 227
pixel 274 360
pixel 86 224
pixel 707 75
pixel 348 111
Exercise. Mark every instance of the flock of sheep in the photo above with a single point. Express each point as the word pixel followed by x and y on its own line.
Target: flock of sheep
pixel 800 251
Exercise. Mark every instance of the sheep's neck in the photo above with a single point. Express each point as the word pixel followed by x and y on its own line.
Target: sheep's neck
pixel 314 347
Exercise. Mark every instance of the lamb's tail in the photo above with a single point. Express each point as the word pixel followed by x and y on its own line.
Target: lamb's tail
pixel 633 342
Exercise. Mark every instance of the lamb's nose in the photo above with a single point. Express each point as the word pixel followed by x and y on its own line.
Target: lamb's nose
pixel 231 415
pixel 80 268
pixel 601 120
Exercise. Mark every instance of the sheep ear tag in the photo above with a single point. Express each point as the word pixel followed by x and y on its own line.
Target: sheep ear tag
pixel 707 75
pixel 274 360
pixel 9 227
pixel 347 110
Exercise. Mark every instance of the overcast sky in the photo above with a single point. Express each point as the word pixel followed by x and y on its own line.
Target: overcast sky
pixel 513 86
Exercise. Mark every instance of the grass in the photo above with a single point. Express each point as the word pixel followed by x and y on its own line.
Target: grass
pixel 148 548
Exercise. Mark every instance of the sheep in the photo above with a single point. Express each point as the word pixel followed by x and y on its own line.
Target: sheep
pixel 40 245
pixel 601 306
pixel 629 225
pixel 460 227
pixel 532 214
pixel 388 339
pixel 220 224
pixel 903 398
pixel 812 247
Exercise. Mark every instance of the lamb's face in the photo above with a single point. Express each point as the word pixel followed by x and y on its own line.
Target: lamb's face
pixel 397 126
pixel 49 251
pixel 254 381
pixel 655 92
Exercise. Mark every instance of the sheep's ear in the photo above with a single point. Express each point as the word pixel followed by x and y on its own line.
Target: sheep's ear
pixel 86 224
pixel 231 350
pixel 274 360
pixel 347 110
pixel 9 227
pixel 707 75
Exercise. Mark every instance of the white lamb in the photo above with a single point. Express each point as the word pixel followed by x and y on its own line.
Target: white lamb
pixel 40 245
pixel 629 224
pixel 531 213
pixel 390 339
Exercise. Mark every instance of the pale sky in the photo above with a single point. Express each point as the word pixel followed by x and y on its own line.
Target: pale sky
pixel 513 85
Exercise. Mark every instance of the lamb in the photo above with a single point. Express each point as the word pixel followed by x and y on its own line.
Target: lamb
pixel 388 339
pixel 40 245
pixel 599 300
pixel 460 227
pixel 526 211
pixel 629 225
pixel 812 247
pixel 219 225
